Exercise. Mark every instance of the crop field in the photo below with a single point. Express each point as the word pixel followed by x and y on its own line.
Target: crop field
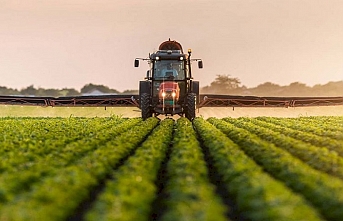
pixel 116 168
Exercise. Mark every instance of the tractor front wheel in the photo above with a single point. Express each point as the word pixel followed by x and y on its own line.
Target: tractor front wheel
pixel 190 108
pixel 145 106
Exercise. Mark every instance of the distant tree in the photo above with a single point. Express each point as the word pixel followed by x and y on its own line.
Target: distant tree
pixel 226 82
pixel 69 92
pixel 30 90
pixel 297 89
pixel 329 89
pixel 8 91
pixel 268 86
pixel 223 84
pixel 47 92
pixel 104 89
pixel 266 89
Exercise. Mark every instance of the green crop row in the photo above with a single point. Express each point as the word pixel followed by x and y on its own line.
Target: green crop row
pixel 323 191
pixel 258 196
pixel 317 157
pixel 36 138
pixel 131 191
pixel 326 120
pixel 329 120
pixel 21 178
pixel 329 125
pixel 28 131
pixel 189 193
pixel 56 197
pixel 331 144
pixel 317 128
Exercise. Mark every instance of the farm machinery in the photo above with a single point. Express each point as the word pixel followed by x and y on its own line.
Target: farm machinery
pixel 169 88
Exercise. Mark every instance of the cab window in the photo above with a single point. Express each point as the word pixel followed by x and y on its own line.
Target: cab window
pixel 169 70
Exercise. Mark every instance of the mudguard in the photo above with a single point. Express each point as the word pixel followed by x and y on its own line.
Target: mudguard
pixel 195 89
pixel 144 87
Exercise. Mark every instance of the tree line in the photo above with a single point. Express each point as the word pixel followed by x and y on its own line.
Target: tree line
pixel 225 84
pixel 41 92
pixel 222 84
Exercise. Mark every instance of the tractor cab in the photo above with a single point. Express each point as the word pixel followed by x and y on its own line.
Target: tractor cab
pixel 169 70
pixel 169 88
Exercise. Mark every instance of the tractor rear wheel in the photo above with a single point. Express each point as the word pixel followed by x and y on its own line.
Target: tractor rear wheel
pixel 190 108
pixel 145 106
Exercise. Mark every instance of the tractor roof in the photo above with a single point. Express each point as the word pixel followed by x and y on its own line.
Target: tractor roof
pixel 171 45
pixel 169 50
pixel 168 55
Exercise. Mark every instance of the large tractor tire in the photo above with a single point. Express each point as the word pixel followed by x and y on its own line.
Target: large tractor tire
pixel 145 106
pixel 190 108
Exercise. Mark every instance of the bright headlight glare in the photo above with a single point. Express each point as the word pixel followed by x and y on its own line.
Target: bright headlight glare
pixel 181 58
pixel 157 58
pixel 163 94
pixel 173 94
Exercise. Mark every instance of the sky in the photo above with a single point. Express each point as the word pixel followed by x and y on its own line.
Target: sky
pixel 70 43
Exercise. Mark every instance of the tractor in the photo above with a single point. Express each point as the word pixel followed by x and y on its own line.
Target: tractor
pixel 168 88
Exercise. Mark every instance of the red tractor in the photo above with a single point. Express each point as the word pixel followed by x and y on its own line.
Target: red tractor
pixel 169 88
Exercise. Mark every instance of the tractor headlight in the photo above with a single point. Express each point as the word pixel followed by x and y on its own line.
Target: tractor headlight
pixel 163 94
pixel 174 94
pixel 157 58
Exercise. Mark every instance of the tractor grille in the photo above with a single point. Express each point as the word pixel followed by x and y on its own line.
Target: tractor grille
pixel 168 102
pixel 168 95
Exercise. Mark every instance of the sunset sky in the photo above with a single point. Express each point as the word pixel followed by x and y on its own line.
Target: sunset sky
pixel 69 43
